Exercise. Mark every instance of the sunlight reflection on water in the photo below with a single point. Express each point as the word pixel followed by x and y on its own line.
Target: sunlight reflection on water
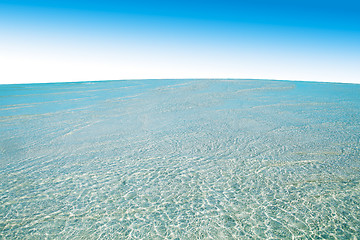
pixel 180 159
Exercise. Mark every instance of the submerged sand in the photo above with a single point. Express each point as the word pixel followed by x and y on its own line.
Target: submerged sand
pixel 180 159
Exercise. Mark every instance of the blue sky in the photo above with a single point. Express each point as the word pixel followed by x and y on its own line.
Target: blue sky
pixel 46 41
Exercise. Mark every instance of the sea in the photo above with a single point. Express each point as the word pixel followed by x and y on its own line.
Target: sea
pixel 180 159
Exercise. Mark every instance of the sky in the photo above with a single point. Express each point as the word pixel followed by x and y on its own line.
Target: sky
pixel 67 41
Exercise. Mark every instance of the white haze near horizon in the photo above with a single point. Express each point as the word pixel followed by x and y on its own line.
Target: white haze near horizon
pixel 39 64
pixel 61 66
pixel 39 54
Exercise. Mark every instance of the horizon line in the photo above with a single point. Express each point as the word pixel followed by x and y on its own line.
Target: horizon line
pixel 151 79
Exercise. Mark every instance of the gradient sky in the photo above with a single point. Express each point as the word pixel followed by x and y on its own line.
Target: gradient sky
pixel 51 41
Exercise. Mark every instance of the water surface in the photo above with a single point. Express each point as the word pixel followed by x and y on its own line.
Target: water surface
pixel 180 159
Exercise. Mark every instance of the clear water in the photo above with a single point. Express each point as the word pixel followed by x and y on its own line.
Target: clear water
pixel 180 159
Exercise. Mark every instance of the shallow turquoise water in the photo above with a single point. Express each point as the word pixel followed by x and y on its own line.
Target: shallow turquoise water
pixel 180 159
